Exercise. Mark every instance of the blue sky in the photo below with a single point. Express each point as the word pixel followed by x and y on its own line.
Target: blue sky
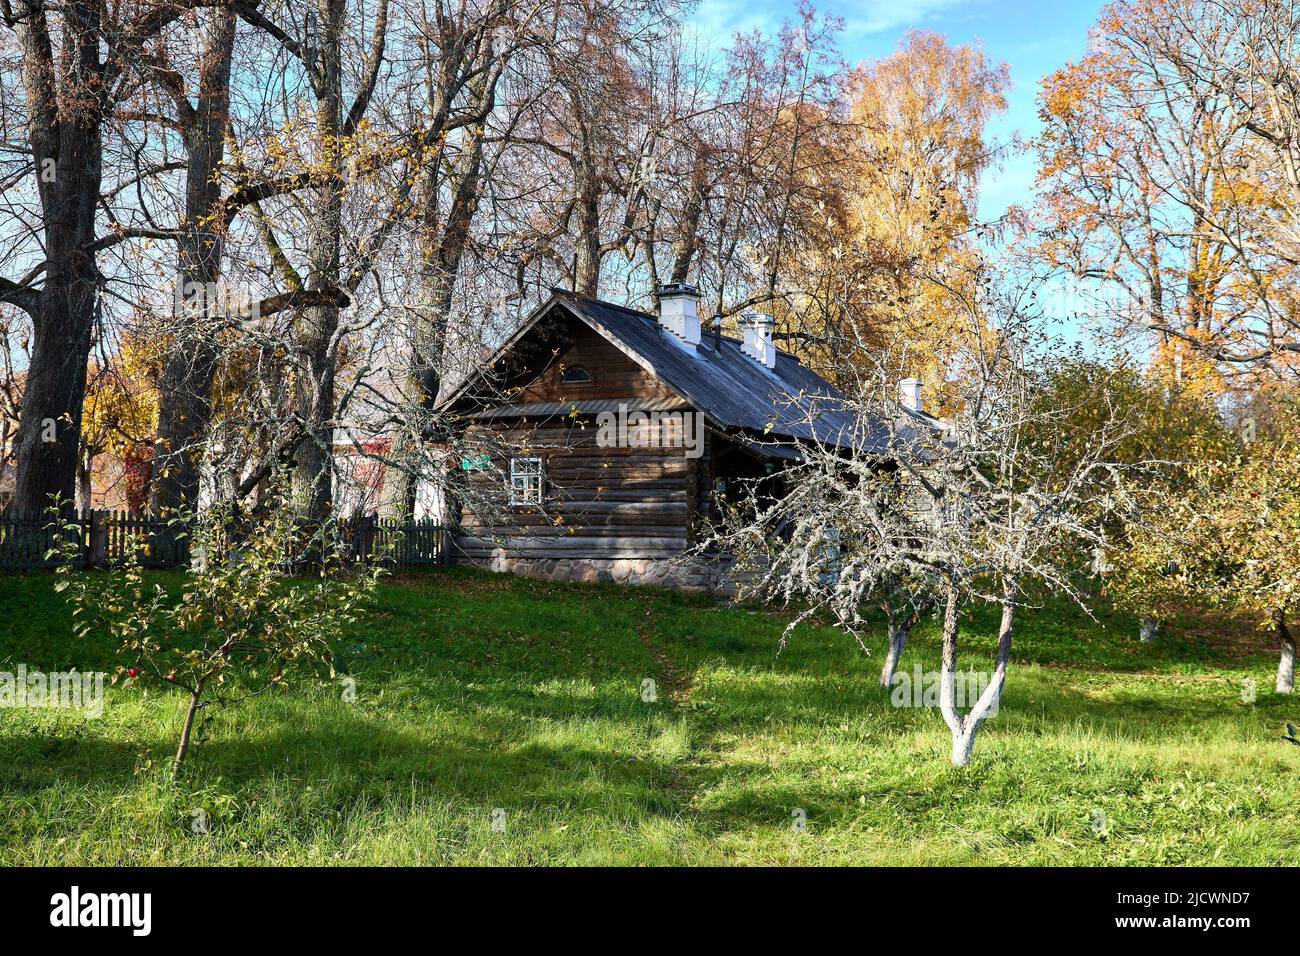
pixel 1034 37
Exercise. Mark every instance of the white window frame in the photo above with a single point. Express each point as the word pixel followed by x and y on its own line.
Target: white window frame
pixel 527 478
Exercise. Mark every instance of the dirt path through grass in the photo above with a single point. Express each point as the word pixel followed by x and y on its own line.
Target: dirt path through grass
pixel 676 684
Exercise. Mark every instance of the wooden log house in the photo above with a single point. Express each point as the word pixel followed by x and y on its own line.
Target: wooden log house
pixel 616 434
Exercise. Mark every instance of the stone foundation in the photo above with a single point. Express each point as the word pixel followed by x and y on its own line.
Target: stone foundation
pixel 690 573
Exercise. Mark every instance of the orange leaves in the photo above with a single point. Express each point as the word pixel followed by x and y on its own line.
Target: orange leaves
pixel 1148 179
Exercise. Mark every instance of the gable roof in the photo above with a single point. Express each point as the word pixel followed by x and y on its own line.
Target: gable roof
pixel 733 390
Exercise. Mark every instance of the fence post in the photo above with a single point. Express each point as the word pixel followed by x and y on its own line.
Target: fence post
pixel 98 556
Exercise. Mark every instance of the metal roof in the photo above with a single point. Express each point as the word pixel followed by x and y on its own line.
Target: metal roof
pixel 733 390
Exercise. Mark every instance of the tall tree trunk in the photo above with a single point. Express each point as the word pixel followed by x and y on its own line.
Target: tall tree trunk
pixel 313 461
pixel 688 232
pixel 185 404
pixel 1286 665
pixel 49 427
pixel 314 398
pixel 66 137
pixel 443 251
pixel 587 257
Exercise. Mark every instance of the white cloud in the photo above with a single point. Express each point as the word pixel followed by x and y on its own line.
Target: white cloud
pixel 719 20
pixel 866 17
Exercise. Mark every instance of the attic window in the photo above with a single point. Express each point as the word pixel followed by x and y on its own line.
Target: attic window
pixel 576 376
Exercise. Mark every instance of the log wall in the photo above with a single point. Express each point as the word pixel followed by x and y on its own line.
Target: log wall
pixel 600 503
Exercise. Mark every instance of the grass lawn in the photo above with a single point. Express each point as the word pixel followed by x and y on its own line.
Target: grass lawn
pixel 477 692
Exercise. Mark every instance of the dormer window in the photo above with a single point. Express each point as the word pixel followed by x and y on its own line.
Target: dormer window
pixel 576 375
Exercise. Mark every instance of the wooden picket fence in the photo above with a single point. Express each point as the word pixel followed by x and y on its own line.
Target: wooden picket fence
pixel 105 538
pixel 403 545
pixel 24 541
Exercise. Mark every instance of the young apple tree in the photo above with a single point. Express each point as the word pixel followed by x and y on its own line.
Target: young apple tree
pixel 1230 539
pixel 239 624
pixel 1254 529
pixel 1174 430
pixel 841 540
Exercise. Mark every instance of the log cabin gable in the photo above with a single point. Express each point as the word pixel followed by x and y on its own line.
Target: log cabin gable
pixel 633 502
pixel 528 367
pixel 609 373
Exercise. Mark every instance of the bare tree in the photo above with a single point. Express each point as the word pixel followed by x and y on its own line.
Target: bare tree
pixel 185 410
pixel 914 512
pixel 77 61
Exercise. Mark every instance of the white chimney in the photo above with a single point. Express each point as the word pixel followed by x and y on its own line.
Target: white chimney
pixel 677 312
pixel 758 339
pixel 909 394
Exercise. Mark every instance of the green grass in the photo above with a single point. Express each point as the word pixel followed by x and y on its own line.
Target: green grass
pixel 478 691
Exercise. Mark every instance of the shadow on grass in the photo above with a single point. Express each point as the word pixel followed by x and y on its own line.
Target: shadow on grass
pixel 354 756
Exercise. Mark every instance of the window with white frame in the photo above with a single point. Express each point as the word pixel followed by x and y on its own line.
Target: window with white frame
pixel 525 481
